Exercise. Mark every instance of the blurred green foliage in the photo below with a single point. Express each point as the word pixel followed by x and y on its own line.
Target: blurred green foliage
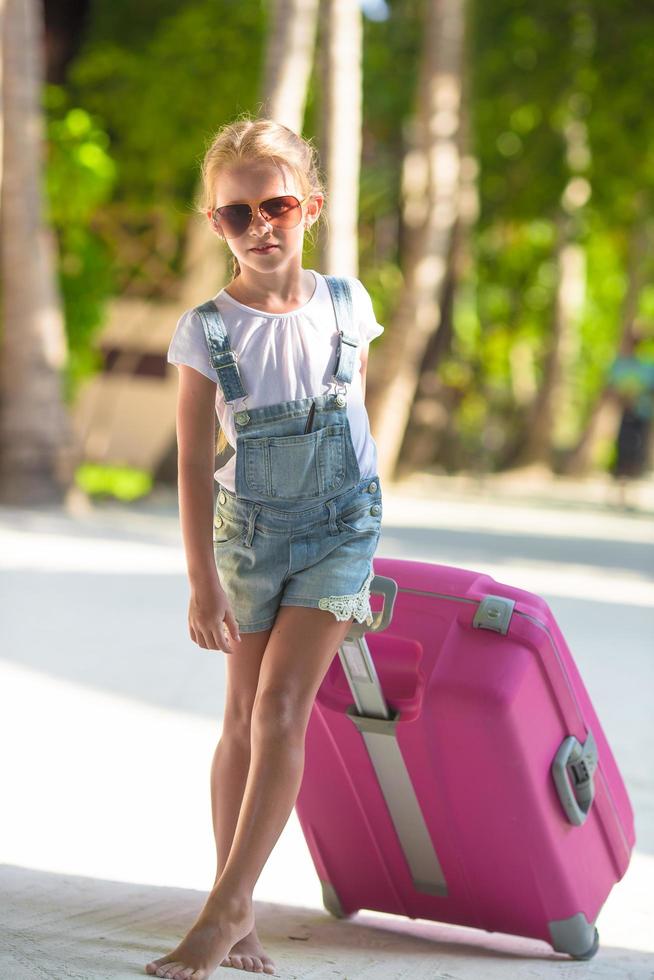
pixel 80 178
pixel 555 116
pixel 563 139
pixel 120 482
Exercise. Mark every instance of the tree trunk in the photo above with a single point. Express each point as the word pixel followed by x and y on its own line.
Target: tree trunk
pixel 430 415
pixel 545 414
pixel 289 57
pixel 428 420
pixel 431 201
pixel 2 58
pixel 38 452
pixel 550 418
pixel 602 422
pixel 340 70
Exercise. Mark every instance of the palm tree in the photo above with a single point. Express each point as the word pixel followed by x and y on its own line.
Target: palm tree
pixel 36 440
pixel 430 187
pixel 340 63
pixel 288 61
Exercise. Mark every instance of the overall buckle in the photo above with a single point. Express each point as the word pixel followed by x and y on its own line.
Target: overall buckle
pixel 340 392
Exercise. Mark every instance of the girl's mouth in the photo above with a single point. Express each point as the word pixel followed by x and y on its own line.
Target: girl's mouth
pixel 264 250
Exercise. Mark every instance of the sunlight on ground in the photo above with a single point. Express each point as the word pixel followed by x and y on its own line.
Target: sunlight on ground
pixel 46 551
pixel 116 788
pixel 52 552
pixel 510 516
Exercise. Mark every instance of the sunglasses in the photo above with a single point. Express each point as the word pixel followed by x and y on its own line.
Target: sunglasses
pixel 232 220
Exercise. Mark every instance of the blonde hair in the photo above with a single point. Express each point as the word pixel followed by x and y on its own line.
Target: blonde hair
pixel 245 140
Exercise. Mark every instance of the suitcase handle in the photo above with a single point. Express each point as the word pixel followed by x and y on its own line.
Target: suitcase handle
pixel 377 724
pixel 573 768
pixel 386 587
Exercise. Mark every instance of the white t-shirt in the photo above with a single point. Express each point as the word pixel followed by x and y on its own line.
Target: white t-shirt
pixel 283 357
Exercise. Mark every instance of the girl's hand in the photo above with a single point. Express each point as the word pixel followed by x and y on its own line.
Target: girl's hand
pixel 211 621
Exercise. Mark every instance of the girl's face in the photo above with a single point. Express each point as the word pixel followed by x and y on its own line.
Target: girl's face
pixel 252 183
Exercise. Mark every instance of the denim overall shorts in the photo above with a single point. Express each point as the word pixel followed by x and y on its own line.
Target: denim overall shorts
pixel 303 525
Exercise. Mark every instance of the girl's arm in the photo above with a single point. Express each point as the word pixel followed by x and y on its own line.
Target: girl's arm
pixel 196 425
pixel 364 367
pixel 196 463
pixel 196 433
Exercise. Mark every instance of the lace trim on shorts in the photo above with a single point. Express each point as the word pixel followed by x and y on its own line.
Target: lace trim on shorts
pixel 357 605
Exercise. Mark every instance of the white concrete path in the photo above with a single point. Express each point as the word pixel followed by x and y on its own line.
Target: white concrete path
pixel 107 704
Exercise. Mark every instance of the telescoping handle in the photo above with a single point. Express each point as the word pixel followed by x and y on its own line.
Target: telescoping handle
pixel 355 656
pixel 386 587
pixel 377 724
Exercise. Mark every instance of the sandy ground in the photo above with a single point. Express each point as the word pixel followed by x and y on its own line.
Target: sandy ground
pixel 111 715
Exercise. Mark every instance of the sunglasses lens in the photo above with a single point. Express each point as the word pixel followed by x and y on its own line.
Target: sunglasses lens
pixel 282 212
pixel 232 219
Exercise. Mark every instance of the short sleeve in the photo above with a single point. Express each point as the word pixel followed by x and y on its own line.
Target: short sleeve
pixel 368 326
pixel 189 345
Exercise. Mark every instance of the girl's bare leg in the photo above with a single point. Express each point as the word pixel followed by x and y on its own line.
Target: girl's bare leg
pixel 229 772
pixel 299 651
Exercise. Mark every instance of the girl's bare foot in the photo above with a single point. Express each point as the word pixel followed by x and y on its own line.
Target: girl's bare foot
pixel 249 954
pixel 220 925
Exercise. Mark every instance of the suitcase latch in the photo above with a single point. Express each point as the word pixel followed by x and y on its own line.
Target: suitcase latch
pixel 573 768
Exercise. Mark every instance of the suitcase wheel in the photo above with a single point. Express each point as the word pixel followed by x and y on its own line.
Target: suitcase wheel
pixel 571 935
pixel 588 955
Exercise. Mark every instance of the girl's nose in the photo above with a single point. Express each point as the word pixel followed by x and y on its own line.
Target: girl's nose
pixel 258 218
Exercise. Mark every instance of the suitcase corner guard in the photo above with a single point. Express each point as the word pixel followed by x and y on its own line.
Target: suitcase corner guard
pixel 494 613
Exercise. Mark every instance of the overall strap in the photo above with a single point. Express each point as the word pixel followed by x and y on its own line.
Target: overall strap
pixel 223 358
pixel 348 340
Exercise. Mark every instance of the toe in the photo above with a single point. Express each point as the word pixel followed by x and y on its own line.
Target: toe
pixel 181 969
pixel 153 965
pixel 185 974
pixel 170 958
pixel 169 969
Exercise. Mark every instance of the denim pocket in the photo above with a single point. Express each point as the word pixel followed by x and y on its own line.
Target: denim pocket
pixel 360 519
pixel 296 467
pixel 226 529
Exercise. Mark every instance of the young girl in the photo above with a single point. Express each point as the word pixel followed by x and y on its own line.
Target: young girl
pixel 280 355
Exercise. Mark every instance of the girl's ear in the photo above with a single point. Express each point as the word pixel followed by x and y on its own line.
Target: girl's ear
pixel 313 212
pixel 213 227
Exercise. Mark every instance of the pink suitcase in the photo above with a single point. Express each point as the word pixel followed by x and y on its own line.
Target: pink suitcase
pixel 455 769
